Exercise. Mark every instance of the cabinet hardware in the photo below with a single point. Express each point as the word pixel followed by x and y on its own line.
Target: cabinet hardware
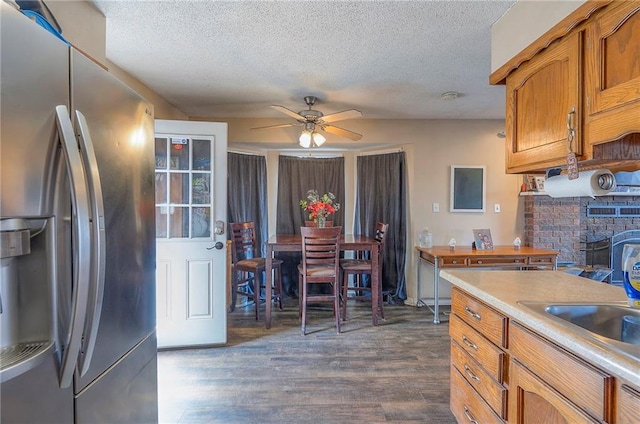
pixel 472 313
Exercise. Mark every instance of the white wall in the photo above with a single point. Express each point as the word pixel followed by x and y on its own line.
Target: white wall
pixel 524 23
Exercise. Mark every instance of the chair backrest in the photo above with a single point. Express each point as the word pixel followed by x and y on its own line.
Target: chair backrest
pixel 381 236
pixel 321 247
pixel 243 241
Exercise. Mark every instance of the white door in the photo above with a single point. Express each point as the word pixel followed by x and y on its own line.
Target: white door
pixel 191 211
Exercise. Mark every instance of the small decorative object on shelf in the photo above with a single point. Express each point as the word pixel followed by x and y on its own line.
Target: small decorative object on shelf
pixel 319 207
pixel 516 243
pixel 483 239
pixel 452 244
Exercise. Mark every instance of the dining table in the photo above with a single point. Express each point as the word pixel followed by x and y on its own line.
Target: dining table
pixel 348 242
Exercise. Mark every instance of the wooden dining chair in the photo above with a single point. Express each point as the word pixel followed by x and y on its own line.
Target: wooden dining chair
pixel 320 265
pixel 359 267
pixel 247 267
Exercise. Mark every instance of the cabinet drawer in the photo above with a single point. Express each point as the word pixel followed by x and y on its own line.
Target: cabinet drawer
pixel 586 386
pixel 628 405
pixel 484 319
pixel 466 404
pixel 542 260
pixel 491 391
pixel 511 261
pixel 450 262
pixel 492 358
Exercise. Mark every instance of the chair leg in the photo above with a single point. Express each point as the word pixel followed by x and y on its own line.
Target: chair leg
pixel 345 292
pixel 336 303
pixel 279 286
pixel 300 296
pixel 304 308
pixel 256 293
pixel 234 291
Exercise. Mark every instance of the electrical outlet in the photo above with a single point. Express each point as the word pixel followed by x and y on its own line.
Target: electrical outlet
pixel 436 207
pixel 496 208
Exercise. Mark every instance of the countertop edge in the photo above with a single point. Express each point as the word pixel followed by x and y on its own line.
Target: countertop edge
pixel 619 365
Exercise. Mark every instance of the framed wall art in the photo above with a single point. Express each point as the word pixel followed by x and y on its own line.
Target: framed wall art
pixel 467 188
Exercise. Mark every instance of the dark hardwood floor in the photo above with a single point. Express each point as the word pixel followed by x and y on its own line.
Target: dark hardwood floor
pixel 397 372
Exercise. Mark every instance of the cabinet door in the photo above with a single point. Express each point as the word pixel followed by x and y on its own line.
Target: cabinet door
pixel 628 405
pixel 533 401
pixel 612 80
pixel 542 96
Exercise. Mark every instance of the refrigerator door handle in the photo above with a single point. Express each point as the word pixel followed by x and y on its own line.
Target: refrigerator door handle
pixel 81 245
pixel 98 243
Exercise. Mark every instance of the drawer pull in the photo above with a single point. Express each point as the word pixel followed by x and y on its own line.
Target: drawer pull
pixel 454 262
pixel 469 416
pixel 480 262
pixel 470 373
pixel 472 313
pixel 469 343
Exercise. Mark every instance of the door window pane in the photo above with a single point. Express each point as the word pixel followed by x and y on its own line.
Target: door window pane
pixel 161 153
pixel 201 192
pixel 179 189
pixel 161 222
pixel 180 153
pixel 201 220
pixel 202 155
pixel 161 187
pixel 179 222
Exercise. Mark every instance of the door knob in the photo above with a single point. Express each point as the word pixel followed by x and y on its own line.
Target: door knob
pixel 219 245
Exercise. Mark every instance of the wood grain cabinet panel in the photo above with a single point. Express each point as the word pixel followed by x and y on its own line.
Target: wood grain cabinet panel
pixel 628 411
pixel 531 401
pixel 466 404
pixel 612 77
pixel 587 387
pixel 542 96
pixel 478 315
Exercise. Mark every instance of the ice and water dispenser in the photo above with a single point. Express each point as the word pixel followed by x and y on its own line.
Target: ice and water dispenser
pixel 26 328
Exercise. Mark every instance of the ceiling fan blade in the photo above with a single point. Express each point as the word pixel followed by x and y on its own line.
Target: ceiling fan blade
pixel 339 116
pixel 276 126
pixel 289 112
pixel 342 132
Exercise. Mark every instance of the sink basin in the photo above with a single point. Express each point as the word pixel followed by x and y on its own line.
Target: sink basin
pixel 613 324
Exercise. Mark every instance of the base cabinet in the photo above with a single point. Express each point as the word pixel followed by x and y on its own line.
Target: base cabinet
pixel 533 401
pixel 501 371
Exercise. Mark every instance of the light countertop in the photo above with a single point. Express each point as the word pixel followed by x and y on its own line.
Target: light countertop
pixel 504 289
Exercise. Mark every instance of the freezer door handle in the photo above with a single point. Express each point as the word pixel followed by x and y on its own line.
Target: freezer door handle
pixel 98 242
pixel 81 245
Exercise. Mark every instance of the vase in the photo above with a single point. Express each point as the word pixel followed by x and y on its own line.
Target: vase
pixel 316 224
pixel 322 222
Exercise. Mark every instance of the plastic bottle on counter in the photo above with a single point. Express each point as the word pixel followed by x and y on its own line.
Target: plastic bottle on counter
pixel 425 238
pixel 631 273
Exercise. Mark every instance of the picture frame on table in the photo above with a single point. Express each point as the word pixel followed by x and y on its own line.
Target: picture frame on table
pixel 539 182
pixel 482 239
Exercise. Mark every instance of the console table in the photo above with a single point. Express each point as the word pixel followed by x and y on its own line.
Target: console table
pixel 507 257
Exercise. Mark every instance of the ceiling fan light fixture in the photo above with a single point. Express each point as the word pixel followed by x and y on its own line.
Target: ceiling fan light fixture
pixel 305 139
pixel 318 139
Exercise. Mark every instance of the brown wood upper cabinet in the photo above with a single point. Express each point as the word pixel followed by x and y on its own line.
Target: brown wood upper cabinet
pixel 543 97
pixel 585 79
pixel 612 65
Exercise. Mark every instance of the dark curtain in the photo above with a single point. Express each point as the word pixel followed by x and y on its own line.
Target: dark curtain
pixel 296 176
pixel 247 192
pixel 381 197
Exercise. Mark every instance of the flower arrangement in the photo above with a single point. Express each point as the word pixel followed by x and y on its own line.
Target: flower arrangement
pixel 319 206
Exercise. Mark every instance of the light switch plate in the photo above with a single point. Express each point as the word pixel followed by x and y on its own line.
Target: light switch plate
pixel 436 207
pixel 496 208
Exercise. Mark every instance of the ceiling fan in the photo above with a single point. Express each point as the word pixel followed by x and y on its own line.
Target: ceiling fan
pixel 314 120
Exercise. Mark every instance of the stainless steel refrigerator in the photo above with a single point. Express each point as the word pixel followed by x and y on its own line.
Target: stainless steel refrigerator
pixel 77 281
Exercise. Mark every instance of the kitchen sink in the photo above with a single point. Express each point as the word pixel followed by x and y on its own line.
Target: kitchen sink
pixel 614 324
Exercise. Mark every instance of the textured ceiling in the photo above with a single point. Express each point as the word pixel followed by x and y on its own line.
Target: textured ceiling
pixel 389 59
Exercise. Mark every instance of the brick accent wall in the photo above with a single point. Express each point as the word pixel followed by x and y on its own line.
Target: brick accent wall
pixel 562 224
